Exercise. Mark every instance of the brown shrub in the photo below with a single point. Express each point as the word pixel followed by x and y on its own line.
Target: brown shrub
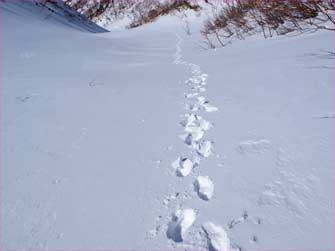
pixel 238 18
pixel 141 12
pixel 147 11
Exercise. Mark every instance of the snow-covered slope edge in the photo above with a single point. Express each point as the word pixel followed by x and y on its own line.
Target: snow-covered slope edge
pixel 53 10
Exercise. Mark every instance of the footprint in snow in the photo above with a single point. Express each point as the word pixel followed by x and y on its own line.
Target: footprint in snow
pixel 183 166
pixel 195 127
pixel 181 221
pixel 192 120
pixel 217 237
pixel 204 187
pixel 206 105
pixel 254 146
pixel 205 148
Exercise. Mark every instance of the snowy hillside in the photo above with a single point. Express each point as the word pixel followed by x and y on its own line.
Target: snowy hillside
pixel 142 140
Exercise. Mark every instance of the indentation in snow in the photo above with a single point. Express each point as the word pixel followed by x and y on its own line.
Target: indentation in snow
pixel 205 149
pixel 204 187
pixel 181 221
pixel 183 166
pixel 206 105
pixel 217 237
pixel 194 126
pixel 196 132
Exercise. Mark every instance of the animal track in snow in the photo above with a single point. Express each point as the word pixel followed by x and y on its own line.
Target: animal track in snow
pixel 204 186
pixel 181 221
pixel 217 237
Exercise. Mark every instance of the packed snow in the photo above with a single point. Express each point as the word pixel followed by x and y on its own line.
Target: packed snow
pixel 91 123
pixel 204 187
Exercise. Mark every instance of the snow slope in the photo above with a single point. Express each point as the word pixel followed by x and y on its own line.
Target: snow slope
pixel 92 125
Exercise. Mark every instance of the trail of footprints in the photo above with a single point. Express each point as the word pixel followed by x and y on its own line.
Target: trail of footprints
pixel 180 223
pixel 195 127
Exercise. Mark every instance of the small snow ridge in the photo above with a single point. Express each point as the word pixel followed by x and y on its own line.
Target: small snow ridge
pixel 181 221
pixel 204 187
pixel 183 166
pixel 217 237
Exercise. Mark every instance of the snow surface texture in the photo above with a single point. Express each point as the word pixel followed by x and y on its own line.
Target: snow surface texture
pixel 92 122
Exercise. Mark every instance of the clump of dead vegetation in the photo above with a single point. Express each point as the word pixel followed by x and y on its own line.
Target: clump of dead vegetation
pixel 237 19
pixel 94 9
pixel 139 12
pixel 148 11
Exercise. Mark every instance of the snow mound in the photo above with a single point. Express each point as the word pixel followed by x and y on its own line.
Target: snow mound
pixel 181 221
pixel 204 187
pixel 217 237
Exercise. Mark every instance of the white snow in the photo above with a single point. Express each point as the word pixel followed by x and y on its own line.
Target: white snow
pixel 217 237
pixel 204 187
pixel 88 115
